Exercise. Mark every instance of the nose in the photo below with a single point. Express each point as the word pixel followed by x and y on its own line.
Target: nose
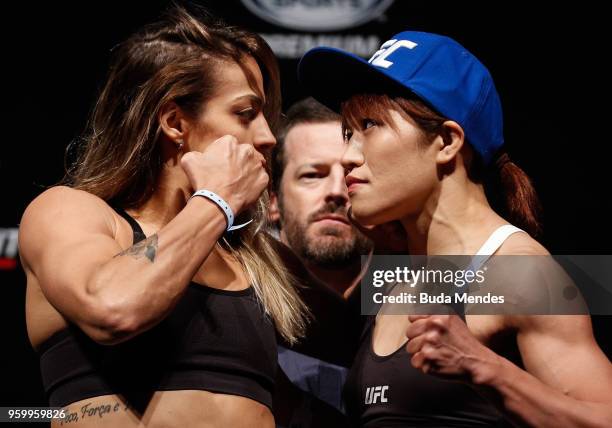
pixel 353 156
pixel 263 138
pixel 337 190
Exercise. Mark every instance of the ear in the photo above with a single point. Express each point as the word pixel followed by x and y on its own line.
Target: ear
pixel 173 122
pixel 273 210
pixel 450 142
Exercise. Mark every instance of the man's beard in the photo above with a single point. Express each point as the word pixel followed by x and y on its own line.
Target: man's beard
pixel 329 248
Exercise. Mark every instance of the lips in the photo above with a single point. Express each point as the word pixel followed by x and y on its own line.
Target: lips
pixel 333 217
pixel 353 182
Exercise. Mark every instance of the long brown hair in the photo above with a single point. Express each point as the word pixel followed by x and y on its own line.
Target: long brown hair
pixel 119 159
pixel 174 59
pixel 507 187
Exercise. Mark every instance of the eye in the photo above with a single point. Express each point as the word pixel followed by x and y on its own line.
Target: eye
pixel 247 114
pixel 347 134
pixel 310 175
pixel 368 123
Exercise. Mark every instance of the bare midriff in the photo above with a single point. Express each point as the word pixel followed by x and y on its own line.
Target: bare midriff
pixel 185 408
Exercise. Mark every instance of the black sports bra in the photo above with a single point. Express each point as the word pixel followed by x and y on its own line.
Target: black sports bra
pixel 386 391
pixel 214 340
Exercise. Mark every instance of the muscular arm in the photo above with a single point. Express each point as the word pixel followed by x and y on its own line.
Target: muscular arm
pixel 568 382
pixel 67 243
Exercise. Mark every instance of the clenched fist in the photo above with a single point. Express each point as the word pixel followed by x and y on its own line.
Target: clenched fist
pixel 443 345
pixel 234 171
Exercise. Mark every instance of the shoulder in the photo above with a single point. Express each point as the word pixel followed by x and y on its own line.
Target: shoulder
pixel 65 202
pixel 64 206
pixel 61 213
pixel 521 243
pixel 537 286
pixel 65 195
pixel 524 267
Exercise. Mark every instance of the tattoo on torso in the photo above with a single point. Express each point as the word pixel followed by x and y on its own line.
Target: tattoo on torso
pixel 97 411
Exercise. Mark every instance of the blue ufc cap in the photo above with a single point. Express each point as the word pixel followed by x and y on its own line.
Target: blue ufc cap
pixel 435 68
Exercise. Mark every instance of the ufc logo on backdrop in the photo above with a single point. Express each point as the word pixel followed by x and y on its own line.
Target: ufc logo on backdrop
pixel 379 58
pixel 8 242
pixel 373 393
pixel 8 248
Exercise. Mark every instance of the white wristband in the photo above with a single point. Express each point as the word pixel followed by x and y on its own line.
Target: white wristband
pixel 229 215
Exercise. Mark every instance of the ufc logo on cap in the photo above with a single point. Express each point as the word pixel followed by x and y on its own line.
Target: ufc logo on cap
pixel 373 393
pixel 379 58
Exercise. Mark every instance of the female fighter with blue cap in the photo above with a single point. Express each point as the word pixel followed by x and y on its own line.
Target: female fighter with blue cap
pixel 423 122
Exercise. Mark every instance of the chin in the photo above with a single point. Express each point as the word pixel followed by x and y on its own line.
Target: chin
pixel 332 233
pixel 366 217
pixel 368 214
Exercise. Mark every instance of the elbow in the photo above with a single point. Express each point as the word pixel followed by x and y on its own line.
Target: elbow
pixel 111 334
pixel 113 324
pixel 112 317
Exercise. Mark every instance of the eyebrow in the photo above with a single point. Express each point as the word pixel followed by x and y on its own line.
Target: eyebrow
pixel 315 165
pixel 258 102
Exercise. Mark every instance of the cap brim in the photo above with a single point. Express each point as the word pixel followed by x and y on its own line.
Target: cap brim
pixel 332 76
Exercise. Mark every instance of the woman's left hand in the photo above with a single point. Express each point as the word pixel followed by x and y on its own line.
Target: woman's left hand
pixel 444 346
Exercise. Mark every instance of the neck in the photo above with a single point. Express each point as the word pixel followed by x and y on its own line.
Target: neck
pixel 456 219
pixel 170 196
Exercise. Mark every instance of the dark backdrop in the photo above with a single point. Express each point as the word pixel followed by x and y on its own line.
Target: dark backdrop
pixel 547 61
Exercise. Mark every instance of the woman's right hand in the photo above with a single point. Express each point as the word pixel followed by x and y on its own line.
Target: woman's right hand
pixel 234 171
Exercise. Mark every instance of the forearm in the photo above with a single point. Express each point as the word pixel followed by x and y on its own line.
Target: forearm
pixel 138 287
pixel 529 402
